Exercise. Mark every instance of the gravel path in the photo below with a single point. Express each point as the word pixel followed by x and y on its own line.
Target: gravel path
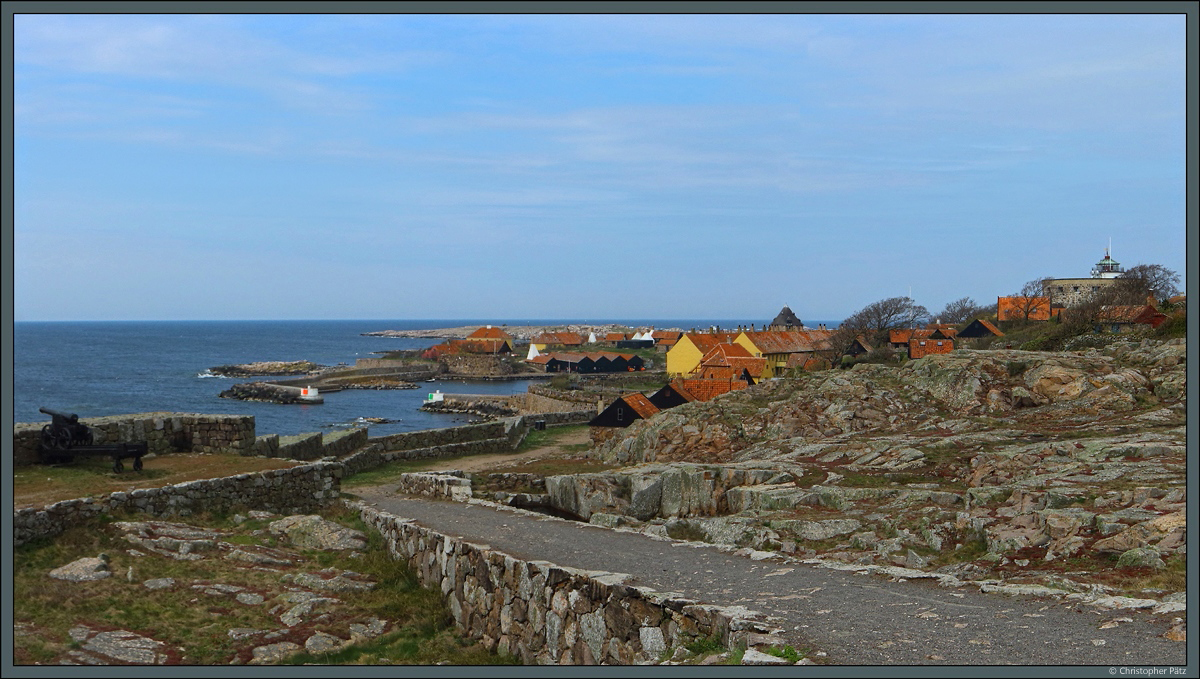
pixel 854 619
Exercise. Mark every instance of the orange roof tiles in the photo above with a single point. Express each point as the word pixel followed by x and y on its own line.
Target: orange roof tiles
pixel 563 338
pixel 789 341
pixel 640 404
pixel 708 389
pixel 490 332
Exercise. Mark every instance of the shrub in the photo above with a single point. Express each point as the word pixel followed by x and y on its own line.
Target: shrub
pixel 1175 326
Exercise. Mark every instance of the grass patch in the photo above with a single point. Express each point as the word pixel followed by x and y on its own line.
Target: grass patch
pixel 547 437
pixel 705 646
pixel 182 616
pixel 787 653
pixel 390 470
pixel 971 550
pixel 40 485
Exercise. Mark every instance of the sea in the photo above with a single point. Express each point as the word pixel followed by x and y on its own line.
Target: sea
pixel 100 368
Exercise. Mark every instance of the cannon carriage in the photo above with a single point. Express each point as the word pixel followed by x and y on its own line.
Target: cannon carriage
pixel 66 437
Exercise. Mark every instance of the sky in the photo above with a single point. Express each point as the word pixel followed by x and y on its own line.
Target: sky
pixel 392 166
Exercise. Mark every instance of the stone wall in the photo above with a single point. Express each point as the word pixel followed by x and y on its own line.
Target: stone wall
pixel 476 365
pixel 449 485
pixel 267 445
pixel 532 402
pixel 574 396
pixel 297 490
pixel 343 443
pixel 161 431
pixel 547 614
pixel 437 437
pixel 301 446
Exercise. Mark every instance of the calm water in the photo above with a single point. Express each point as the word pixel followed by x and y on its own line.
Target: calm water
pixel 112 368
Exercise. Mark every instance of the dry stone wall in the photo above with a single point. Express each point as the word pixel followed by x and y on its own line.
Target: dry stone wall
pixel 296 490
pixel 162 432
pixel 302 446
pixel 448 485
pixel 547 614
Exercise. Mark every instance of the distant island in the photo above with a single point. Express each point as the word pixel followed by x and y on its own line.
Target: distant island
pixel 517 332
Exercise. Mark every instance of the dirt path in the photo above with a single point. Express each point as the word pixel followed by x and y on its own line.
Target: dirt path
pixel 856 618
pixel 479 463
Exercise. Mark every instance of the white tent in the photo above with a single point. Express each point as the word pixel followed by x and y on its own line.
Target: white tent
pixel 591 338
pixel 533 352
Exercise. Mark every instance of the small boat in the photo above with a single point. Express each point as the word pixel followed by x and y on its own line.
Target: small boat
pixel 431 380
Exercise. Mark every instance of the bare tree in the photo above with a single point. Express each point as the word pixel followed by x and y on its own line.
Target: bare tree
pixel 1142 281
pixel 958 311
pixel 875 320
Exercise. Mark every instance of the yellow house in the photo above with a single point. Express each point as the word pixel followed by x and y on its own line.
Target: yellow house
pixel 684 357
pixel 783 349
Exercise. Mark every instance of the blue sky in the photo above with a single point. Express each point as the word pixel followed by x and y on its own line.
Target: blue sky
pixel 558 166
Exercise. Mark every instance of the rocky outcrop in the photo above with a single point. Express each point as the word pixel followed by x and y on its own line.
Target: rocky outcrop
pixel 314 532
pixel 882 399
pixel 979 464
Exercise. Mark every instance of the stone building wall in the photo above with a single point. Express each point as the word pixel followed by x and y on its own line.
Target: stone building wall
pixel 547 614
pixel 161 431
pixel 296 490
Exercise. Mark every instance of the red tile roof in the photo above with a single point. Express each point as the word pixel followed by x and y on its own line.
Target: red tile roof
pixel 563 338
pixel 903 335
pixel 708 389
pixel 640 405
pixel 789 341
pixel 1122 314
pixel 489 333
pixel 706 341
pixel 677 385
pixel 991 328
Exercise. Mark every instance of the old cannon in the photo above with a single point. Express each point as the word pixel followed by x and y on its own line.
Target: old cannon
pixel 65 437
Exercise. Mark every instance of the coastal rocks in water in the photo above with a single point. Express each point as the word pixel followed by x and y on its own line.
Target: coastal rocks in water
pixel 266 368
pixel 83 570
pixel 485 409
pixel 314 532
pixel 262 391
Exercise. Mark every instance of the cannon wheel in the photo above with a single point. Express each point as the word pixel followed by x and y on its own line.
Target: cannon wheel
pixel 137 464
pixel 118 467
pixel 63 440
pixel 48 437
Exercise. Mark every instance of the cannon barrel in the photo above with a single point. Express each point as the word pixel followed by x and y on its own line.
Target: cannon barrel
pixel 71 418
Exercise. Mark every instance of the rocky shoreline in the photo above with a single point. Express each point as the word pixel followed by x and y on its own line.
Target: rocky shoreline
pixel 267 368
